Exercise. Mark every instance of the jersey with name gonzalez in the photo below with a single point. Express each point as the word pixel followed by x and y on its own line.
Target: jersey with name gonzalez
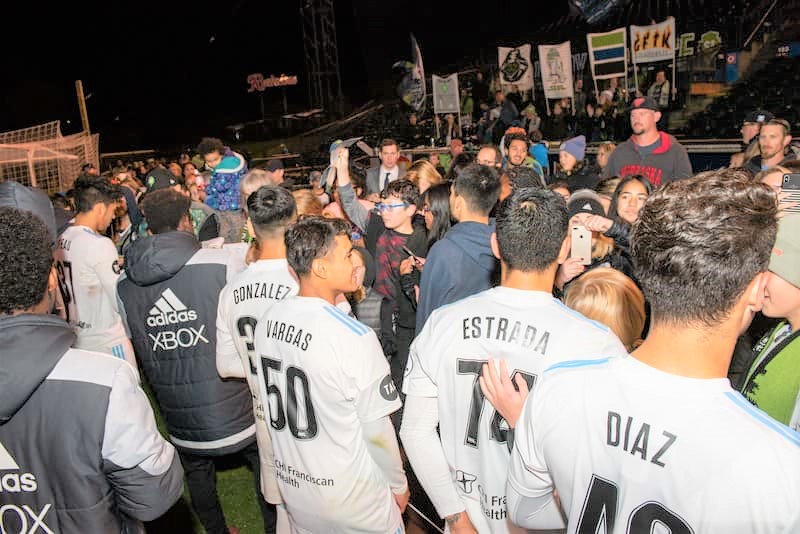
pixel 88 268
pixel 241 304
pixel 641 450
pixel 531 330
pixel 323 373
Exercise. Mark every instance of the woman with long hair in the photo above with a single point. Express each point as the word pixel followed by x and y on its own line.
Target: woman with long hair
pixel 436 211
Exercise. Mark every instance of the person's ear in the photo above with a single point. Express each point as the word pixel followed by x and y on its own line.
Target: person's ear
pixel 495 246
pixel 250 230
pixel 566 247
pixel 319 268
pixel 52 280
pixel 753 298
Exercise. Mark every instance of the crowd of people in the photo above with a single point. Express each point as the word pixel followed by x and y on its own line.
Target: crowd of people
pixel 504 346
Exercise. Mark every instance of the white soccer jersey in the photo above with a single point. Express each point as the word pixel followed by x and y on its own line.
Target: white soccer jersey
pixel 241 304
pixel 325 373
pixel 531 330
pixel 88 268
pixel 634 449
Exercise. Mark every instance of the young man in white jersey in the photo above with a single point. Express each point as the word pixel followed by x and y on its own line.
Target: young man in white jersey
pixel 88 269
pixel 270 209
pixel 464 470
pixel 659 441
pixel 329 392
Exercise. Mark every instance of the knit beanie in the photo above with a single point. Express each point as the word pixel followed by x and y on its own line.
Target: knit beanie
pixel 575 146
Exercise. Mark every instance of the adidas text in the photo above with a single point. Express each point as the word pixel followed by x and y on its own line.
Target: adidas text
pixel 174 317
pixel 16 483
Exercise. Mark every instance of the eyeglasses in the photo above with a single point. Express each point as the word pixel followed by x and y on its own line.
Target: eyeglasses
pixel 383 206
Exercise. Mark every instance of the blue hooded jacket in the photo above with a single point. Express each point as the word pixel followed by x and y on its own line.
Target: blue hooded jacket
pixel 458 265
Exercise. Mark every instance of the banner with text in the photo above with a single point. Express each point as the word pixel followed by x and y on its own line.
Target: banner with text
pixel 556 67
pixel 653 43
pixel 515 66
pixel 445 94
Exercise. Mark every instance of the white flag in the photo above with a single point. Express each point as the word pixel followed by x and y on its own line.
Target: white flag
pixel 516 66
pixel 556 68
pixel 653 43
pixel 445 94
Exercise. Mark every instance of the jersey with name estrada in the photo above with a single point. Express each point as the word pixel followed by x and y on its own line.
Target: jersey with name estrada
pixel 88 268
pixel 241 304
pixel 531 330
pixel 631 448
pixel 323 373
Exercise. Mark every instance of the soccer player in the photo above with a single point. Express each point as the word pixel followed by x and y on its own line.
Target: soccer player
pixel 659 441
pixel 245 299
pixel 330 394
pixel 88 269
pixel 521 321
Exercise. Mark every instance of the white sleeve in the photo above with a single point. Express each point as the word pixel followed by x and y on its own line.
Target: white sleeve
pixel 370 382
pixel 424 450
pixel 229 363
pixel 422 357
pixel 108 270
pixel 529 490
pixel 382 446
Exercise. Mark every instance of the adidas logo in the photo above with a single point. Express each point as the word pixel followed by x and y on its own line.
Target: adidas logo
pixel 587 206
pixel 169 309
pixel 14 482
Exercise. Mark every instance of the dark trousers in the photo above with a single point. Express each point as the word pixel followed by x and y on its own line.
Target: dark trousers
pixel 201 479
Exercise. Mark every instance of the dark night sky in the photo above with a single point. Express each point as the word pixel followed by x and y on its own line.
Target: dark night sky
pixel 166 73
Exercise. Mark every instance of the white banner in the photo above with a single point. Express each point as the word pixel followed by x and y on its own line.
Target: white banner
pixel 653 43
pixel 445 94
pixel 556 66
pixel 516 66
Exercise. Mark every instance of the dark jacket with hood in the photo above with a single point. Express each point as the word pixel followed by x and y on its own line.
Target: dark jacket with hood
pixel 668 162
pixel 458 265
pixel 168 300
pixel 79 447
pixel 754 163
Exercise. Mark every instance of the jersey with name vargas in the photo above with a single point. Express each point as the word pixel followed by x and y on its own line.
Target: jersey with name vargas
pixel 88 268
pixel 531 330
pixel 631 448
pixel 323 373
pixel 241 304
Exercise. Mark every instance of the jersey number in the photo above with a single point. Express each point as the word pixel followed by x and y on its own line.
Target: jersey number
pixel 498 433
pixel 247 327
pixel 278 420
pixel 600 507
pixel 64 271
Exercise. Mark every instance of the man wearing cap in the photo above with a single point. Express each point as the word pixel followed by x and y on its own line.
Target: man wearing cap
pixel 773 381
pixel 275 169
pixel 773 141
pixel 751 126
pixel 388 171
pixel 656 155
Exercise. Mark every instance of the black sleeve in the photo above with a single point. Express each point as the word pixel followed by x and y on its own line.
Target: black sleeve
pixel 620 233
pixel 387 328
pixel 209 229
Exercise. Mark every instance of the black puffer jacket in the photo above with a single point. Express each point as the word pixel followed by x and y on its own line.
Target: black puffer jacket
pixel 168 299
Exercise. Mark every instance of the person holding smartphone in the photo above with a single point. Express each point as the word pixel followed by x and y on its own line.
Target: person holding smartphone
pixel 582 205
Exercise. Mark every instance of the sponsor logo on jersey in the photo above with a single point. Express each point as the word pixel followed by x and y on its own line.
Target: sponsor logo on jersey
pixel 388 389
pixel 169 309
pixel 14 482
pixel 465 480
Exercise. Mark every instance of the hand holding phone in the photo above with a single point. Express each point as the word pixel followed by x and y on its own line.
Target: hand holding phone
pixel 581 244
pixel 416 259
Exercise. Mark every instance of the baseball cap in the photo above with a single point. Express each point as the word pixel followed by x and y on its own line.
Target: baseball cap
pixel 585 201
pixel 785 258
pixel 758 116
pixel 644 102
pixel 273 165
pixel 159 178
pixel 23 198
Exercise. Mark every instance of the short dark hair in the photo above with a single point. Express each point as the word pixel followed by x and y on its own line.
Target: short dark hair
pixel 516 136
pixel 311 238
pixel 531 227
pixel 699 242
pixel 89 191
pixel 26 260
pixel 405 189
pixel 523 176
pixel 163 210
pixel 479 185
pixel 270 209
pixel 388 142
pixel 210 144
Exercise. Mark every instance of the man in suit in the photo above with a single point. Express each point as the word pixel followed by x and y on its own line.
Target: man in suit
pixel 387 171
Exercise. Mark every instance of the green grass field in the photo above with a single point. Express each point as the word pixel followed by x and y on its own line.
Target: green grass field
pixel 236 491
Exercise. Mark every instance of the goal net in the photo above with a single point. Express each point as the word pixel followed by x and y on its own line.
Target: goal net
pixel 41 157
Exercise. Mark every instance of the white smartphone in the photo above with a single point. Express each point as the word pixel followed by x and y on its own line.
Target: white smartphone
pixel 581 244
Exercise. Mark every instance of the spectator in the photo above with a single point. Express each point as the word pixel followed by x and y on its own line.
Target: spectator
pixel 436 211
pixel 227 168
pixel 423 174
pixel 560 187
pixel 571 157
pixel 80 448
pixel 517 178
pixel 275 169
pixel 169 296
pixel 751 126
pixel 604 151
pixel 388 171
pixel 660 91
pixel 489 155
pixel 656 155
pixel 539 150
pixel 773 143
pixel 515 142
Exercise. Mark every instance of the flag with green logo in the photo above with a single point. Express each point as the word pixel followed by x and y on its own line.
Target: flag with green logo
pixel 445 94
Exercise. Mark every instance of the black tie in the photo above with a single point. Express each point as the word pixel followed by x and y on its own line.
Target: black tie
pixel 386 181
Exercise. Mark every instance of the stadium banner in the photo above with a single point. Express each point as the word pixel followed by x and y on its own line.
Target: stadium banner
pixel 556 67
pixel 653 43
pixel 515 66
pixel 607 55
pixel 445 94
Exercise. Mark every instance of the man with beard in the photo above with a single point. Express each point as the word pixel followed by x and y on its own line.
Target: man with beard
pixel 773 141
pixel 656 155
